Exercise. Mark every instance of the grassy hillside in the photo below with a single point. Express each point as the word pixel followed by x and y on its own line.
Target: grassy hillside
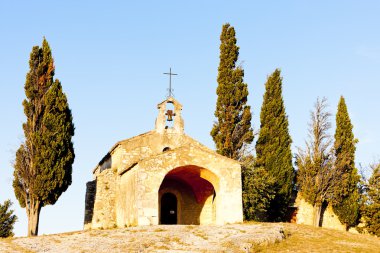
pixel 248 237
pixel 302 238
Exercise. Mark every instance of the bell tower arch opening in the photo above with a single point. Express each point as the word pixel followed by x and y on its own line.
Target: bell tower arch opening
pixel 169 119
pixel 170 115
pixel 194 189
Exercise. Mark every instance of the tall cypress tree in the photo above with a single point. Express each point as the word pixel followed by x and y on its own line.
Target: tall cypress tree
pixel 43 164
pixel 233 127
pixel 346 195
pixel 273 145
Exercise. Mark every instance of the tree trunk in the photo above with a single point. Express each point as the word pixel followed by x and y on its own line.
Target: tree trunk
pixel 33 218
pixel 317 208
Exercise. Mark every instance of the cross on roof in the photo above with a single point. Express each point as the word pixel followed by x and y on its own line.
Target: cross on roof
pixel 170 94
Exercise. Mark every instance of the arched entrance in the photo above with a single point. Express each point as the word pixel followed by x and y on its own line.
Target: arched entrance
pixel 190 192
pixel 168 209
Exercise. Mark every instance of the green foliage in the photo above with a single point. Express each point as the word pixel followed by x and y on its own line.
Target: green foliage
pixel 371 211
pixel 348 209
pixel 346 192
pixel 233 128
pixel 22 175
pixel 43 165
pixel 316 175
pixel 7 219
pixel 273 147
pixel 258 191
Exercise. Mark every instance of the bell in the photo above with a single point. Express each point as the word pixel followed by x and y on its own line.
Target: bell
pixel 169 113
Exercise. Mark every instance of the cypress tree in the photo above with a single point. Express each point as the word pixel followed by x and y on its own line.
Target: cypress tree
pixel 371 210
pixel 273 146
pixel 43 164
pixel 346 195
pixel 7 219
pixel 233 127
pixel 317 175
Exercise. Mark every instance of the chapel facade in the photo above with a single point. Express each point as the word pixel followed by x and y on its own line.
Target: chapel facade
pixel 163 177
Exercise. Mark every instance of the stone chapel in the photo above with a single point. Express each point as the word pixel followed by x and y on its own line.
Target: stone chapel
pixel 163 177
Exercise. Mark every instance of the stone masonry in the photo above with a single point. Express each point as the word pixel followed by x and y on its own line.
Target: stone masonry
pixel 305 215
pixel 133 180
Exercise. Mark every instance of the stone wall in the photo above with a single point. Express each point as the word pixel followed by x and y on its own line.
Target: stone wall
pixel 126 201
pixel 89 203
pixel 129 196
pixel 331 220
pixel 224 174
pixel 208 213
pixel 104 215
pixel 150 144
pixel 305 215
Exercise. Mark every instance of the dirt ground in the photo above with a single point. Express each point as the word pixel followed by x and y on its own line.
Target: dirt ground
pixel 180 238
pixel 247 237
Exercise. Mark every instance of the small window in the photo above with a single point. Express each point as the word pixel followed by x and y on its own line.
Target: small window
pixel 166 149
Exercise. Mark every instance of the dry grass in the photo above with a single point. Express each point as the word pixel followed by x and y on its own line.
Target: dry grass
pixel 12 247
pixel 302 238
pixel 159 230
pixel 200 234
pixel 248 237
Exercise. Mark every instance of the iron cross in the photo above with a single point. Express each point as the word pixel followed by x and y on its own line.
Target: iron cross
pixel 170 82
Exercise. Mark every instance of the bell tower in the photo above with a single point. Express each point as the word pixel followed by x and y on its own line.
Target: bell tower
pixel 169 119
pixel 165 116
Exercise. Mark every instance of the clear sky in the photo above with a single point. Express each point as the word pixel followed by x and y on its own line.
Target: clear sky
pixel 110 56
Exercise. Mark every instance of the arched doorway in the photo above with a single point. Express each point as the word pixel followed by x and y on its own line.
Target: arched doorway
pixel 168 209
pixel 192 189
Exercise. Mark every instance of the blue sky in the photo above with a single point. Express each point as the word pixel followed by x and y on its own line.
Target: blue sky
pixel 110 57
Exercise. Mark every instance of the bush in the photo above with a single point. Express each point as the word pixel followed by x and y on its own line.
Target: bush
pixel 7 219
pixel 258 191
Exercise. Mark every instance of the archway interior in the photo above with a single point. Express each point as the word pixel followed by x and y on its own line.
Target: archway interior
pixel 195 196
